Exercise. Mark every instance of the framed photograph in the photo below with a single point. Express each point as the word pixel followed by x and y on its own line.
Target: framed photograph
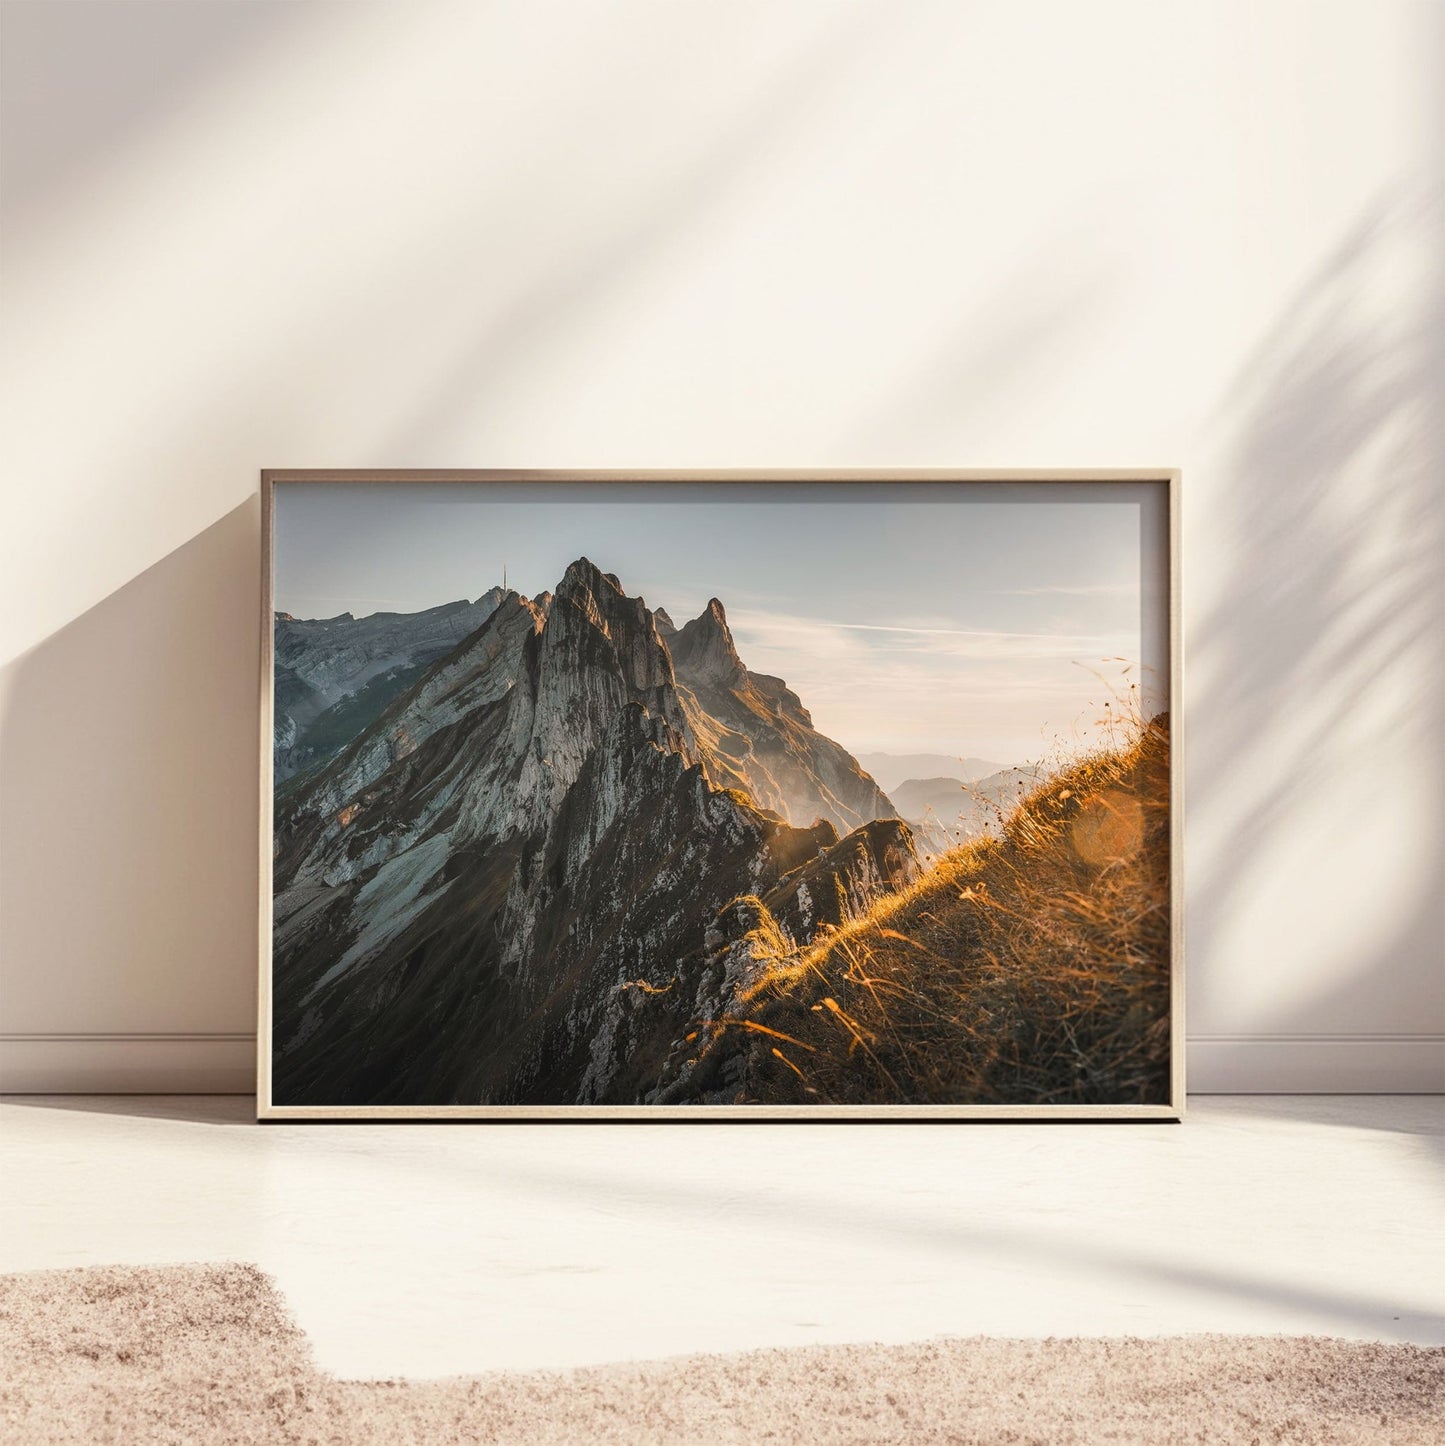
pixel 599 795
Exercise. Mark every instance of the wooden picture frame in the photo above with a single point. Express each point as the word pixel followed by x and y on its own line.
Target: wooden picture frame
pixel 827 1013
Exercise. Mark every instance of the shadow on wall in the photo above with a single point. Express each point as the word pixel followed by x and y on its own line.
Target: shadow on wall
pixel 1318 679
pixel 129 773
pixel 133 63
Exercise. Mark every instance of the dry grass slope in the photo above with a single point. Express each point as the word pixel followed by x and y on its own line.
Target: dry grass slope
pixel 1032 968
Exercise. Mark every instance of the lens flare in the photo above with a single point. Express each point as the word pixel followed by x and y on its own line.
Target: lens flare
pixel 1110 827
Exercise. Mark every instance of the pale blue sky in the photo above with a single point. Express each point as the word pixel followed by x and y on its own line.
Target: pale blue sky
pixel 962 618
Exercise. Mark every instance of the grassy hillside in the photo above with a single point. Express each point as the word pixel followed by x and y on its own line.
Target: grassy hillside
pixel 1030 968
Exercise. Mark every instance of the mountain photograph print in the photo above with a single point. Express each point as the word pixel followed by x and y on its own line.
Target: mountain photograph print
pixel 635 795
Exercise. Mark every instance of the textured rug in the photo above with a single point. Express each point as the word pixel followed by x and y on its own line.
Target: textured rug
pixel 209 1353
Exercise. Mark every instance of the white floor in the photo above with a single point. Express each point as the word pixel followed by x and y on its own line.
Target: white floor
pixel 431 1249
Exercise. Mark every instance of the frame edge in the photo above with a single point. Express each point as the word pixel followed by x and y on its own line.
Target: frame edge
pixel 1172 1112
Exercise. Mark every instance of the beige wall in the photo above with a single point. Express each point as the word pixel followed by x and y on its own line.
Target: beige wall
pixel 522 234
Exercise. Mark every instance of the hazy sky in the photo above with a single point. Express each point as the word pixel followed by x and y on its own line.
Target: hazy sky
pixel 958 618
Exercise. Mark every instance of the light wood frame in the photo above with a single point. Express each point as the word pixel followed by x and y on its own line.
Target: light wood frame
pixel 1173 1111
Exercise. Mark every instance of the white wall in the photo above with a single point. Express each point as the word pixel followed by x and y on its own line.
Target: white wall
pixel 650 234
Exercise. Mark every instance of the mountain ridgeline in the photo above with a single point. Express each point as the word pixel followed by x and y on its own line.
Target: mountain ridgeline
pixel 542 850
pixel 335 675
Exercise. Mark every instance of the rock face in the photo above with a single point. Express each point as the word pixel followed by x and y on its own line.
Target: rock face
pixel 335 675
pixel 506 887
pixel 764 737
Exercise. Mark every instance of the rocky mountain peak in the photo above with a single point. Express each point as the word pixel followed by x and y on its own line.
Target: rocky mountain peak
pixel 584 578
pixel 597 597
pixel 663 623
pixel 704 650
pixel 597 653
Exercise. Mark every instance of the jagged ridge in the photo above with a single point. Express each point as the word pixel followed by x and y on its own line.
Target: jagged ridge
pixel 763 736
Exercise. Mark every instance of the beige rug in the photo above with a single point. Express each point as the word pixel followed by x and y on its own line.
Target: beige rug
pixel 208 1353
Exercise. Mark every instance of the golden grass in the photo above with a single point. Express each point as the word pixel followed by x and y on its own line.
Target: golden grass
pixel 1033 967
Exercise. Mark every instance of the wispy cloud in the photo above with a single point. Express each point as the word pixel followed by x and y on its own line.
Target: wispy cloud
pixel 1092 589
pixel 812 635
pixel 940 632
pixel 936 688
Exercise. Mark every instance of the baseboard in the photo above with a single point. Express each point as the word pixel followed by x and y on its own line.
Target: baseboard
pixel 1316 1064
pixel 128 1064
pixel 226 1064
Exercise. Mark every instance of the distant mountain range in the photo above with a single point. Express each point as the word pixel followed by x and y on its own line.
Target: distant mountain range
pixel 521 844
pixel 946 812
pixel 893 769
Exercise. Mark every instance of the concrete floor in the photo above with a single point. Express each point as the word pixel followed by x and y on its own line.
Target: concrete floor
pixel 425 1250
